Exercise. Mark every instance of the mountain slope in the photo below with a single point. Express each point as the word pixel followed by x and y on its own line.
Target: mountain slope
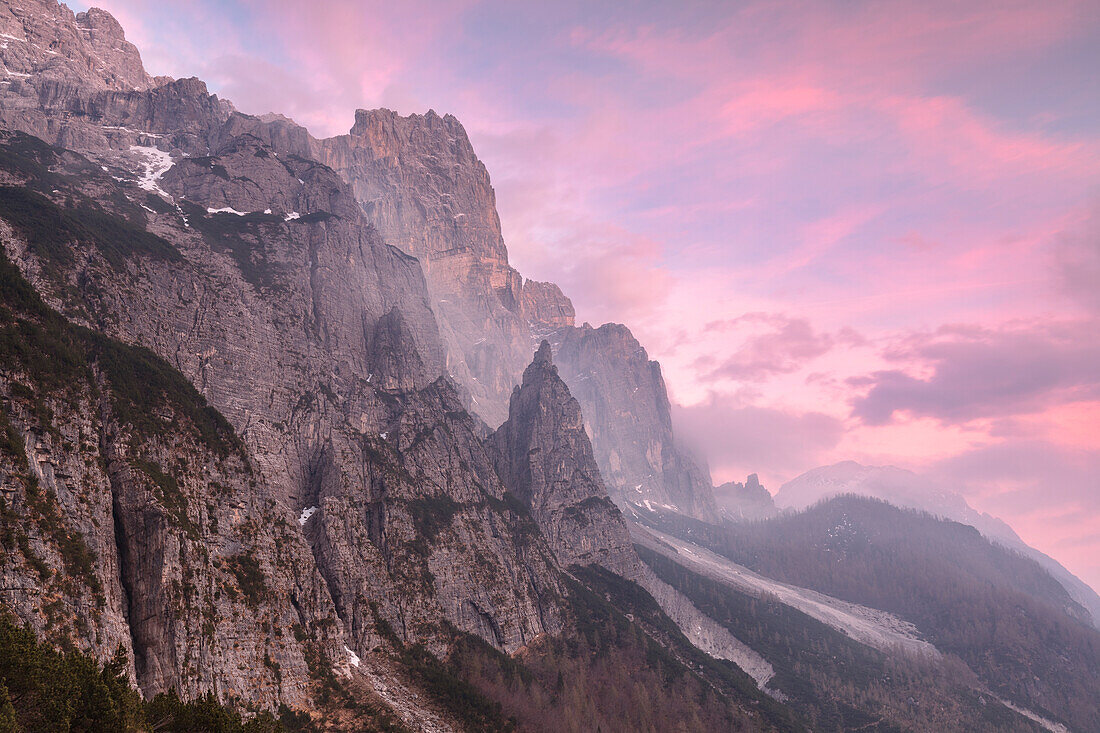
pixel 1001 613
pixel 355 534
pixel 421 184
pixel 908 490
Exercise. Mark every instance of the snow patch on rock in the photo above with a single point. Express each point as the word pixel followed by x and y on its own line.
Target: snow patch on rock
pixel 157 163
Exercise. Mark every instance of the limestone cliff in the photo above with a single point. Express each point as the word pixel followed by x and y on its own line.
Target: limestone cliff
pixel 543 455
pixel 254 274
pixel 423 188
pixel 421 184
pixel 627 413
pixel 236 276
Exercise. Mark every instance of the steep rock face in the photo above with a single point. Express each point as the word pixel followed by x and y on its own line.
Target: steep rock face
pixel 369 502
pixel 545 306
pixel 256 276
pixel 74 81
pixel 419 181
pixel 431 502
pixel 45 40
pixel 627 413
pixel 745 501
pixel 422 187
pixel 131 517
pixel 544 457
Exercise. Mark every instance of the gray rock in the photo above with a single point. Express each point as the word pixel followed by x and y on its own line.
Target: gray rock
pixel 745 501
pixel 543 455
pixel 627 413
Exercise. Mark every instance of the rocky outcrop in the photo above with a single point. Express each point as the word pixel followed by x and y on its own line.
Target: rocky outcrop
pixel 46 41
pixel 255 275
pixel 543 455
pixel 627 413
pixel 132 518
pixel 75 81
pixel 545 307
pixel 362 505
pixel 745 501
pixel 421 185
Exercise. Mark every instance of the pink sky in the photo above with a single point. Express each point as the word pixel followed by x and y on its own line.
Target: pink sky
pixel 848 230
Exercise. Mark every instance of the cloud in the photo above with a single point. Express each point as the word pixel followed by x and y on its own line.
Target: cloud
pixel 1077 261
pixel 1048 493
pixel 975 372
pixel 738 439
pixel 784 346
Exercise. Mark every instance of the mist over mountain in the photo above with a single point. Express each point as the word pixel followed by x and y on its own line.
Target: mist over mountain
pixel 287 444
pixel 906 489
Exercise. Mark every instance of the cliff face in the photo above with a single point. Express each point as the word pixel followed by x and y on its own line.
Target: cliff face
pixel 543 455
pixel 45 41
pixel 132 517
pixel 75 81
pixel 424 190
pixel 233 274
pixel 626 411
pixel 420 183
pixel 545 306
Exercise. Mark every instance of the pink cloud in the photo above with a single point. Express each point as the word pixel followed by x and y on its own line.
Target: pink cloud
pixel 976 372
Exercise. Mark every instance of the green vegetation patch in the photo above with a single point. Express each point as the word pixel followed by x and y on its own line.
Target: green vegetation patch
pixel 250 578
pixel 50 691
pixel 52 232
pixel 57 357
pixel 241 237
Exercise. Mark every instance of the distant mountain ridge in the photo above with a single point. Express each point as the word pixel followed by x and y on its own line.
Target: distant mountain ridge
pixel 907 489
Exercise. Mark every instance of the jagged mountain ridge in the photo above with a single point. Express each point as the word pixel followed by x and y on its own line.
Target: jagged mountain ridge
pixel 543 455
pixel 420 182
pixel 313 337
pixel 364 509
pixel 745 501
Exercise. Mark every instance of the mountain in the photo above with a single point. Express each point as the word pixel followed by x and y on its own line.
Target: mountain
pixel 906 489
pixel 628 415
pixel 544 457
pixel 423 188
pixel 252 478
pixel 1006 618
pixel 234 460
pixel 420 183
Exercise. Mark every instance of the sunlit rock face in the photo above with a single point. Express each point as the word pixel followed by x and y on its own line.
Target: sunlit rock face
pixel 418 180
pixel 423 188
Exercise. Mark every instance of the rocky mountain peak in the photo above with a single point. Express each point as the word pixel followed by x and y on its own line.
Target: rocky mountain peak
pixel 420 184
pixel 544 457
pixel 544 357
pixel 612 375
pixel 748 500
pixel 545 306
pixel 44 40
